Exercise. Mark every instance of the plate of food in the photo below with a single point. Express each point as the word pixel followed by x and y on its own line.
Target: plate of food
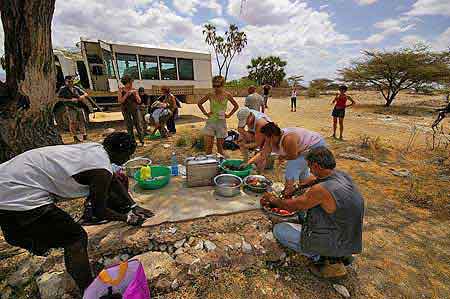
pixel 257 183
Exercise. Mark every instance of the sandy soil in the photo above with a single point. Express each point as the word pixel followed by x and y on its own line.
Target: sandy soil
pixel 406 237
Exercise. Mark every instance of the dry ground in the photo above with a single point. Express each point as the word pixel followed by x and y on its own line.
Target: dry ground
pixel 406 234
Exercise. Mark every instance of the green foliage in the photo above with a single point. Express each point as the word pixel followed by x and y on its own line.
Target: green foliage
pixel 295 80
pixel 265 70
pixel 321 84
pixel 393 71
pixel 313 92
pixel 244 82
pixel 225 47
pixel 182 141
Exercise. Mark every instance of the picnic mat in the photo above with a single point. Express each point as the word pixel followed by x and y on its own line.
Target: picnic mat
pixel 176 202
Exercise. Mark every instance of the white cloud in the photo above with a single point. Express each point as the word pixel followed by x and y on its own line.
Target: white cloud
pixel 190 7
pixel 442 42
pixel 220 23
pixel 430 7
pixel 322 7
pixel 390 27
pixel 365 2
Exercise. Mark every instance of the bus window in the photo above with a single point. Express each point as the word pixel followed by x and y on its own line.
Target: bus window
pixel 108 64
pixel 127 65
pixel 168 67
pixel 185 69
pixel 149 67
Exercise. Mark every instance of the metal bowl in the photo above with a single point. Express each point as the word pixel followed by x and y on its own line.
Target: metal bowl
pixel 135 164
pixel 255 188
pixel 228 185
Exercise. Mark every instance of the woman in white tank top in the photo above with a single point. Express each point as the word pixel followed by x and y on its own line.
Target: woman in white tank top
pixel 291 144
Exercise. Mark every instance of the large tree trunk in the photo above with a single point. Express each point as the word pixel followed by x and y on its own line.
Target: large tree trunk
pixel 26 120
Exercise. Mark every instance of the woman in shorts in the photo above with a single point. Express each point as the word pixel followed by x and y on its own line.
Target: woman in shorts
pixel 216 125
pixel 340 102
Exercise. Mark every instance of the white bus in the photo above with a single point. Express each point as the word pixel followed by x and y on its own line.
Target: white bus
pixel 100 66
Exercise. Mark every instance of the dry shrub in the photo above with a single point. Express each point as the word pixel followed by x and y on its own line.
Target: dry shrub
pixel 182 141
pixel 416 195
pixel 313 92
pixel 371 143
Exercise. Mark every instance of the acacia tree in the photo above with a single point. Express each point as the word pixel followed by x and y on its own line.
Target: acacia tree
pixel 269 69
pixel 295 80
pixel 393 71
pixel 26 118
pixel 321 83
pixel 225 47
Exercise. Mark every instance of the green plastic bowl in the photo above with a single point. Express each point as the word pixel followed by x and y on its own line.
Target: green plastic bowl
pixel 155 136
pixel 157 170
pixel 240 173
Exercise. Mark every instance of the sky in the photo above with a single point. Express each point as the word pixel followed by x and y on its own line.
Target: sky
pixel 315 37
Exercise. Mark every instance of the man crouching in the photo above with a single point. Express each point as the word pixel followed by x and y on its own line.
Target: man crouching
pixel 332 230
pixel 30 182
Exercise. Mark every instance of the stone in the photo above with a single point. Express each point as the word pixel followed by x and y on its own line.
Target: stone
pixel 54 285
pixel 355 157
pixel 163 247
pixel 180 243
pixel 210 246
pixel 175 284
pixel 199 245
pixel 172 230
pixel 237 246
pixel 283 256
pixel 124 257
pixel 342 290
pixel 28 267
pixel 157 264
pixel 404 173
pixel 246 247
pixel 186 259
pixel 269 236
pixel 179 251
pixel 151 246
pixel 191 241
pixel 171 249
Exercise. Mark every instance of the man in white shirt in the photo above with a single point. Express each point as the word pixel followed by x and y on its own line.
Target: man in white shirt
pixel 30 182
pixel 254 101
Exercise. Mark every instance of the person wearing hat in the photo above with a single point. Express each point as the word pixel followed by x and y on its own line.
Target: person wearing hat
pixel 72 97
pixel 252 137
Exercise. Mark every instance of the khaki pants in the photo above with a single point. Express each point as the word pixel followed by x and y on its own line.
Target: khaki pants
pixel 77 120
pixel 133 120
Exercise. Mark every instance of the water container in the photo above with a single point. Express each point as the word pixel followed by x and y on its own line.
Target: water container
pixel 174 164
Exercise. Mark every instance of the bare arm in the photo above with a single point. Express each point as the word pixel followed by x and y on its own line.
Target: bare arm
pixel 120 96
pixel 335 100
pixel 138 98
pixel 200 105
pixel 352 102
pixel 264 154
pixel 235 106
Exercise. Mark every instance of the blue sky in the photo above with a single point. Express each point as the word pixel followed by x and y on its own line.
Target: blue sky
pixel 315 37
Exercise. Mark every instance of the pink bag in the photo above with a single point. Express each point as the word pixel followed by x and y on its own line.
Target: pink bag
pixel 127 279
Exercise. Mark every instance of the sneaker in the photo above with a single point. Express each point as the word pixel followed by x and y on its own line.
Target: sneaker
pixel 76 139
pixel 328 270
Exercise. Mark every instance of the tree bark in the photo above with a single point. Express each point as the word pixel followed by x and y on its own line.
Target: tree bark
pixel 30 77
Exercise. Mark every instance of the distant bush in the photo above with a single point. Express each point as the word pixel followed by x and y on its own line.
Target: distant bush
pixel 313 92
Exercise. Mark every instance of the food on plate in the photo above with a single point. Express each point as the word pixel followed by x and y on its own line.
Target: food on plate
pixel 258 183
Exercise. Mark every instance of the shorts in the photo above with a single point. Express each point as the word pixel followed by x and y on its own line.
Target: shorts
pixel 75 115
pixel 216 128
pixel 298 169
pixel 40 229
pixel 340 113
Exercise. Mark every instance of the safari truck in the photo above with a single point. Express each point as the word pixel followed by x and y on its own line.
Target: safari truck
pixel 99 67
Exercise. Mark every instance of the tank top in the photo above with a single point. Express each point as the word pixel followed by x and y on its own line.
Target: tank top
pixel 30 180
pixel 258 115
pixel 218 108
pixel 341 102
pixel 294 94
pixel 338 234
pixel 307 139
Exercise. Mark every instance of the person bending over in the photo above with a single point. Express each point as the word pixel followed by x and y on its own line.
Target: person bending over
pixel 332 230
pixel 292 145
pixel 216 125
pixel 251 138
pixel 30 182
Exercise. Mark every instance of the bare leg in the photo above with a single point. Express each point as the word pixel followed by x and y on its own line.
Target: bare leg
pixel 77 263
pixel 341 127
pixel 334 126
pixel 220 146
pixel 209 142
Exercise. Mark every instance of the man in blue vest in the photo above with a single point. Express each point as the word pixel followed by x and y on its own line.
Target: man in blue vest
pixel 332 230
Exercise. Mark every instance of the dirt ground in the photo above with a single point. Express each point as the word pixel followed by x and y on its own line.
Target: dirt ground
pixel 406 229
